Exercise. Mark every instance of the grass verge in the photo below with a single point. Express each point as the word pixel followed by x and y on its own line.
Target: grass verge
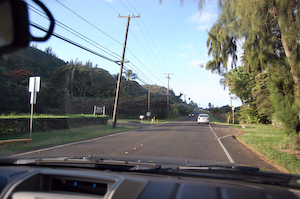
pixel 46 138
pixel 145 121
pixel 272 143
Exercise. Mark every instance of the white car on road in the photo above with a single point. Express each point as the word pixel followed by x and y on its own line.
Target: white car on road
pixel 203 118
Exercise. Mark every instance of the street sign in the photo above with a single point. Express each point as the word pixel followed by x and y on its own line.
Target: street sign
pixel 233 108
pixel 34 87
pixel 34 84
pixel 99 110
pixel 148 114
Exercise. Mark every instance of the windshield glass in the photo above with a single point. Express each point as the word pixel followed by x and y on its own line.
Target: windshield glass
pixel 203 115
pixel 129 78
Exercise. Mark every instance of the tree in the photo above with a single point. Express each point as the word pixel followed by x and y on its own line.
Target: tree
pixel 49 51
pixel 261 95
pixel 239 83
pixel 270 32
pixel 130 77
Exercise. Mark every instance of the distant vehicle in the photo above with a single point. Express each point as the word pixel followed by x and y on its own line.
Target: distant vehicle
pixel 203 118
pixel 191 115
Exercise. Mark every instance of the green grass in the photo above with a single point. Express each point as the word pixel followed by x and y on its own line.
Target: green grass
pixel 46 138
pixel 145 121
pixel 17 116
pixel 272 142
pixel 213 119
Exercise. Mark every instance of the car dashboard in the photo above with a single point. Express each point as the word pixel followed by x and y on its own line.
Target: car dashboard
pixel 35 182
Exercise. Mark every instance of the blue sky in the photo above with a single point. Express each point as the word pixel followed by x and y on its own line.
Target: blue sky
pixel 169 37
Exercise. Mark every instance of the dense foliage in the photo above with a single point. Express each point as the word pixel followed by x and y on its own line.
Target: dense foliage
pixel 268 82
pixel 76 87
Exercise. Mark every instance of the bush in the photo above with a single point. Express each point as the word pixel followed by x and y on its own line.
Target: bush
pixel 21 125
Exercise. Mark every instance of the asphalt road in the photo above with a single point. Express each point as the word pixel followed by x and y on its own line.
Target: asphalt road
pixel 178 139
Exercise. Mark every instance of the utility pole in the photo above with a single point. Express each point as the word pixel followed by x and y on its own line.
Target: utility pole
pixel 232 107
pixel 168 105
pixel 120 73
pixel 149 112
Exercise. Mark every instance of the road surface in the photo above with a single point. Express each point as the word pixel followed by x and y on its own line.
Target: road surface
pixel 179 139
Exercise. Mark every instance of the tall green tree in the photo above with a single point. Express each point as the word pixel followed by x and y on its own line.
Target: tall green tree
pixel 262 99
pixel 269 32
pixel 130 77
pixel 239 82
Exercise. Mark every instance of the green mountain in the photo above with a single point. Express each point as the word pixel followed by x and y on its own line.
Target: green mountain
pixel 34 61
pixel 15 70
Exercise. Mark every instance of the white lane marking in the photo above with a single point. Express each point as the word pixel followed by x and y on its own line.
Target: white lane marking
pixel 221 144
pixel 79 142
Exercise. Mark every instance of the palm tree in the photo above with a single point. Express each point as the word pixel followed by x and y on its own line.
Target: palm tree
pixel 130 77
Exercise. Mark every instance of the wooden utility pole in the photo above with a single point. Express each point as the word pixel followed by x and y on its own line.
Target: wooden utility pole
pixel 149 112
pixel 168 104
pixel 120 73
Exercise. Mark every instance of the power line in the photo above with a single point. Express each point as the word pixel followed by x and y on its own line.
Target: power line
pixel 132 6
pixel 140 45
pixel 144 37
pixel 81 36
pixel 70 41
pixel 107 35
pixel 174 100
pixel 89 50
pixel 150 47
pixel 154 43
pixel 144 49
pixel 126 7
pixel 111 7
pixel 89 22
pixel 80 46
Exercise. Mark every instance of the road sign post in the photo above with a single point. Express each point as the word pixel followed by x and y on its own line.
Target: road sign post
pixel 232 114
pixel 34 87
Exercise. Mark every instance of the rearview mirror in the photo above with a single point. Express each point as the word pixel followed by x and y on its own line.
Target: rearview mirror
pixel 14 27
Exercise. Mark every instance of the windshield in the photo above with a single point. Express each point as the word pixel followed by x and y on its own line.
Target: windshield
pixel 203 115
pixel 130 77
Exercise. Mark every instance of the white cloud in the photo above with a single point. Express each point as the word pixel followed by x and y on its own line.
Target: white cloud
pixel 181 55
pixel 187 46
pixel 203 27
pixel 194 53
pixel 204 17
pixel 204 20
pixel 196 63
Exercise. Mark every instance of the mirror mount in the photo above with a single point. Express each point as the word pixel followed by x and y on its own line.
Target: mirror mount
pixel 14 25
pixel 52 22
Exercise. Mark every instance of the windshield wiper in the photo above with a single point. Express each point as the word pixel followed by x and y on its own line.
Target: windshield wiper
pixel 221 167
pixel 90 162
pixel 240 173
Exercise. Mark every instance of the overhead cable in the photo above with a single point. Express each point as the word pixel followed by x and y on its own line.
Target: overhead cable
pixel 89 22
pixel 71 42
pixel 81 36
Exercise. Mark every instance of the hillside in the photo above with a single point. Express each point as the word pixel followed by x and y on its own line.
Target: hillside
pixel 73 87
pixel 35 61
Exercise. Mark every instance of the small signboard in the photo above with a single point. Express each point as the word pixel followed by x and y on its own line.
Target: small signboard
pixel 34 84
pixel 148 114
pixel 34 87
pixel 99 110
